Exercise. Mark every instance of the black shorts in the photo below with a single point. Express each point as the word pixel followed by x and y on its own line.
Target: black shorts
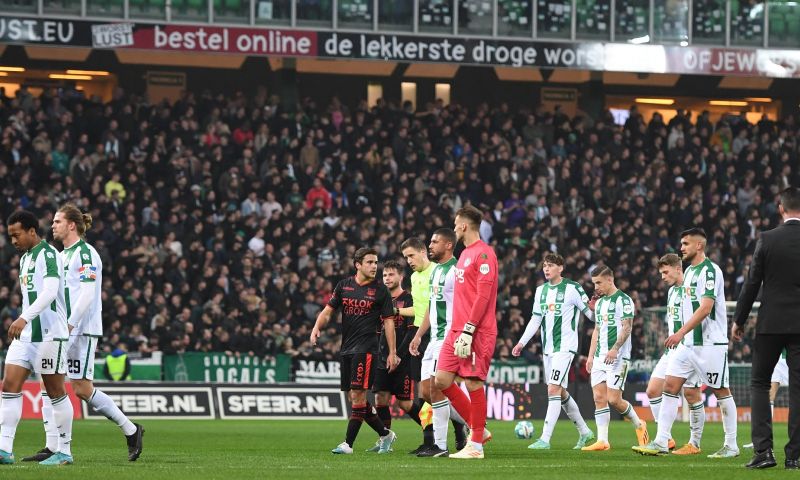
pixel 399 383
pixel 415 363
pixel 357 371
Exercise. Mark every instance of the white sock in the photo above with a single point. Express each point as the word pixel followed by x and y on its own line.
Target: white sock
pixel 441 422
pixel 550 419
pixel 666 417
pixel 772 410
pixel 570 407
pixel 602 418
pixel 62 413
pixel 476 445
pixel 10 413
pixel 697 420
pixel 728 408
pixel 454 415
pixel 103 404
pixel 50 430
pixel 655 407
pixel 631 415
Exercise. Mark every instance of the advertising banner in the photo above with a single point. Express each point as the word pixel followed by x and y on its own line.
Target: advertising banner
pixel 32 401
pixel 597 56
pixel 158 400
pixel 284 402
pixel 220 367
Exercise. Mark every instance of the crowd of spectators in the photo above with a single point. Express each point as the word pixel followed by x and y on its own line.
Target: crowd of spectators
pixel 224 222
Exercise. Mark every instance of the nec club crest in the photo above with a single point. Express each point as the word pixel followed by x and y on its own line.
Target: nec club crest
pixel 370 292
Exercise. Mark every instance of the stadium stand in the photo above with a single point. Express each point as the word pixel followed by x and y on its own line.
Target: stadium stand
pixel 224 221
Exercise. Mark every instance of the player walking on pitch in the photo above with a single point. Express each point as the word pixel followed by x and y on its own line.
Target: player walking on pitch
pixel 83 277
pixel 399 382
pixel 469 346
pixel 556 309
pixel 364 302
pixel 38 338
pixel 671 270
pixel 609 357
pixel 700 346
pixel 438 320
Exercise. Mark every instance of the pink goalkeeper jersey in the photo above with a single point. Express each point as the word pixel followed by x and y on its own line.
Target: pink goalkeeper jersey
pixel 477 264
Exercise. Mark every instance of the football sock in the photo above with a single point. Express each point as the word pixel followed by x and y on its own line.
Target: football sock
pixel 385 415
pixel 697 420
pixel 413 412
pixel 441 415
pixel 655 407
pixel 62 414
pixel 10 413
pixel 478 414
pixel 354 424
pixel 103 404
pixel 50 430
pixel 728 408
pixel 372 419
pixel 602 417
pixel 570 407
pixel 458 401
pixel 666 417
pixel 550 419
pixel 631 415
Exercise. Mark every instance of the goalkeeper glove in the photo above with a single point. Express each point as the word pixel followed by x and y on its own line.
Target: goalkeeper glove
pixel 463 344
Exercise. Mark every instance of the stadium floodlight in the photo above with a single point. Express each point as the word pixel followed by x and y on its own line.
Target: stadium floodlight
pixel 61 76
pixel 656 101
pixel 97 73
pixel 11 69
pixel 759 99
pixel 728 103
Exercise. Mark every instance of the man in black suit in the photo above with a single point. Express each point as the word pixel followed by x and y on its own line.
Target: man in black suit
pixel 776 265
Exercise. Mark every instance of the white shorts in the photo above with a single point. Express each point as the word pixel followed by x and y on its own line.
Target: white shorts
pixel 613 374
pixel 80 357
pixel 44 358
pixel 429 360
pixel 556 368
pixel 781 373
pixel 661 372
pixel 708 362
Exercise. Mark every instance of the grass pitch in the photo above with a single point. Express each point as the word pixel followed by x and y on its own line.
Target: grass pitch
pixel 208 449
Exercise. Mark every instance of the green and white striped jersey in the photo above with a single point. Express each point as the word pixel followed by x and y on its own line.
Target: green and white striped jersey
pixel 442 285
pixel 83 269
pixel 674 316
pixel 705 280
pixel 558 309
pixel 609 312
pixel 34 266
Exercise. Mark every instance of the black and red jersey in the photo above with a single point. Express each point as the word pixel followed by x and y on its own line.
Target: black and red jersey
pixel 363 308
pixel 401 327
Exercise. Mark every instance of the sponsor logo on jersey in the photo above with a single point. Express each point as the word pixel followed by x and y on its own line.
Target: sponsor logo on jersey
pixel 370 292
pixel 709 284
pixel 484 269
pixel 87 272
pixel 459 275
pixel 628 309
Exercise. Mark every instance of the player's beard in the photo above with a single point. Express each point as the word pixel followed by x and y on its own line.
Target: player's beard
pixel 689 257
pixel 435 257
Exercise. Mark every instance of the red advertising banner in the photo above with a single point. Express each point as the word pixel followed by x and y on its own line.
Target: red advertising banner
pixel 32 401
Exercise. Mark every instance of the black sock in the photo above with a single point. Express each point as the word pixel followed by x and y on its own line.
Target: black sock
pixel 458 427
pixel 413 412
pixel 427 435
pixel 385 415
pixel 374 421
pixel 354 425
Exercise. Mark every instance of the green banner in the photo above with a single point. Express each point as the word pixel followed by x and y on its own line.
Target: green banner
pixel 219 367
pixel 518 371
